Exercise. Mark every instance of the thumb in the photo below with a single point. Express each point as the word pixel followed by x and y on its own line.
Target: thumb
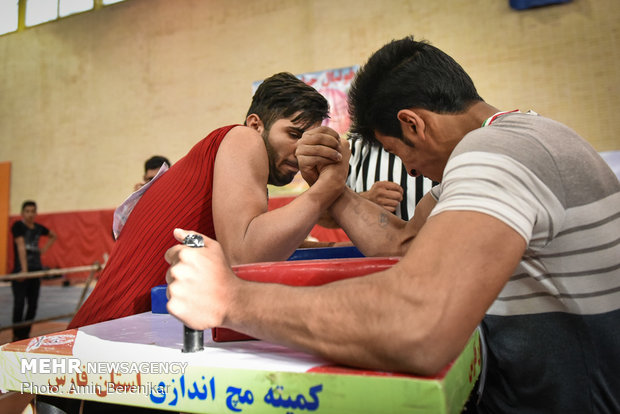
pixel 180 234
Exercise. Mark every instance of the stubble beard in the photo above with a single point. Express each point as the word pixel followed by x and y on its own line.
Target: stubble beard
pixel 275 177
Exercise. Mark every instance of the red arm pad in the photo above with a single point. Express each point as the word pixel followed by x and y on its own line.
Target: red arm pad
pixel 303 273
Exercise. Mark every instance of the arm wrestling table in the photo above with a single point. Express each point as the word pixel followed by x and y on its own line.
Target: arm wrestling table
pixel 137 361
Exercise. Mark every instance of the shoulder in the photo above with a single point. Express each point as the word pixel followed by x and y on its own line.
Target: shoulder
pixel 242 150
pixel 18 228
pixel 518 135
pixel 222 131
pixel 209 146
pixel 215 136
pixel 523 138
pixel 241 157
pixel 244 140
pixel 41 228
pixel 238 132
pixel 551 151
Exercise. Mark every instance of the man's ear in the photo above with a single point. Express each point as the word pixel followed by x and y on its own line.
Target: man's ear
pixel 411 123
pixel 254 122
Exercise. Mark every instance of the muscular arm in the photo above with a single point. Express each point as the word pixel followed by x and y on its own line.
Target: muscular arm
pixel 423 311
pixel 387 194
pixel 375 231
pixel 247 231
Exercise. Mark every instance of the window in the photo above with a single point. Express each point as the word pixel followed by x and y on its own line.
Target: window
pixel 16 15
pixel 9 11
pixel 68 7
pixel 40 11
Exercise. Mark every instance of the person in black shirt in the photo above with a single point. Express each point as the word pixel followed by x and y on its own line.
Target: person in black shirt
pixel 26 235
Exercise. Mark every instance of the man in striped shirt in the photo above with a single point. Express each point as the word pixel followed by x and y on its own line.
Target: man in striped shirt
pixel 382 178
pixel 522 237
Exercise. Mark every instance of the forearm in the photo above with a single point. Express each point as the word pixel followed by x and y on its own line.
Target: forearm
pixel 333 321
pixel 22 260
pixel 274 235
pixel 373 230
pixel 21 254
pixel 325 220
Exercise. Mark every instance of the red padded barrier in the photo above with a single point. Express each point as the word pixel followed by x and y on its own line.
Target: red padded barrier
pixel 85 236
pixel 303 273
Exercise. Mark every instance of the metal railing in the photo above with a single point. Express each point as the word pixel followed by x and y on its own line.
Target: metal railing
pixel 94 268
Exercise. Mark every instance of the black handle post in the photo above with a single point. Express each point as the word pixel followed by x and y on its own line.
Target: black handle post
pixel 193 340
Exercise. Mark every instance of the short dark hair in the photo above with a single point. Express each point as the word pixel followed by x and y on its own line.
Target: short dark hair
pixel 155 162
pixel 29 203
pixel 406 74
pixel 283 95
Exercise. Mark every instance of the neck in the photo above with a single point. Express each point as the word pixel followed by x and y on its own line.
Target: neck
pixel 454 127
pixel 478 113
pixel 447 130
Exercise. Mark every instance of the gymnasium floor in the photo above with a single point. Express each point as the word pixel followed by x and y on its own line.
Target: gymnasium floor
pixel 54 299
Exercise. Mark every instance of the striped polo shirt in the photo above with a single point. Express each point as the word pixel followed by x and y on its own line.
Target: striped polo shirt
pixel 553 334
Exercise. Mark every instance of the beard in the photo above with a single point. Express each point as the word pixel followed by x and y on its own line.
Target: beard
pixel 276 177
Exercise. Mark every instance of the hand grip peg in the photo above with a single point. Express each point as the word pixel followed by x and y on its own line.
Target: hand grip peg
pixel 193 340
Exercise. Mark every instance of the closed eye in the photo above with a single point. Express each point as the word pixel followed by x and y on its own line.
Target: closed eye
pixel 295 133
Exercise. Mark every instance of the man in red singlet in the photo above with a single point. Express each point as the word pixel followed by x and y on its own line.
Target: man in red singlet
pixel 220 189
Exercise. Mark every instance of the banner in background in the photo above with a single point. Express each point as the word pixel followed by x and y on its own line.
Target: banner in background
pixel 334 85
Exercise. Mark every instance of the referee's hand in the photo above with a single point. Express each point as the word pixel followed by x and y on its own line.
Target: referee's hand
pixel 385 193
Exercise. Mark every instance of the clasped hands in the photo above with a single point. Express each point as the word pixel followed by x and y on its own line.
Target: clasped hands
pixel 320 151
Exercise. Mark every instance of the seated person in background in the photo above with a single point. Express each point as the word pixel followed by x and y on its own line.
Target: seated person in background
pixel 520 237
pixel 382 178
pixel 151 167
pixel 220 188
